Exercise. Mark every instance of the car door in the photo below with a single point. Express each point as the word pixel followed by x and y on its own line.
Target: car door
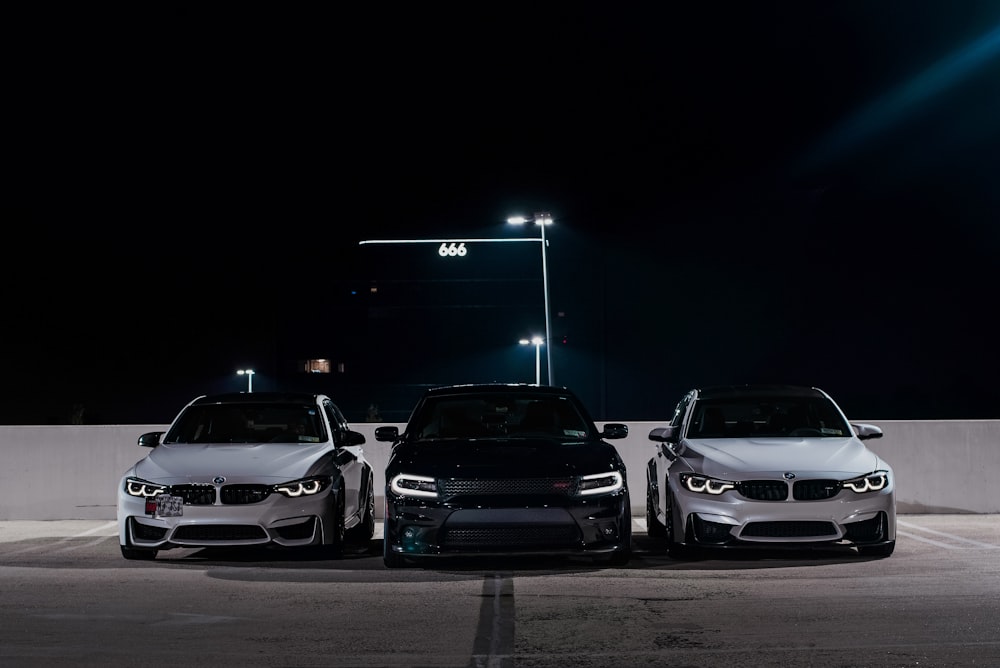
pixel 350 457
pixel 666 456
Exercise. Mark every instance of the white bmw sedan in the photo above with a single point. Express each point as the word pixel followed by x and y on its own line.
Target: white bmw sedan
pixel 249 469
pixel 767 466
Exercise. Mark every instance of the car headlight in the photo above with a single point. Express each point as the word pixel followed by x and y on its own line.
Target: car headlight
pixel 600 483
pixel 702 484
pixel 303 487
pixel 407 484
pixel 873 482
pixel 143 488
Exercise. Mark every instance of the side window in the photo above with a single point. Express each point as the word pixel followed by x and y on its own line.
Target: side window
pixel 336 421
pixel 680 410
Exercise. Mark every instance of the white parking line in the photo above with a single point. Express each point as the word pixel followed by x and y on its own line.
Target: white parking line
pixel 929 541
pixel 103 527
pixel 949 536
pixel 96 541
pixel 106 530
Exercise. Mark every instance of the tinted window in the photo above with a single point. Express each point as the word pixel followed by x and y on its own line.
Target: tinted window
pixel 779 416
pixel 248 423
pixel 499 415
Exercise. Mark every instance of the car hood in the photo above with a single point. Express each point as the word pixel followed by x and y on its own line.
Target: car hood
pixel 740 458
pixel 522 458
pixel 260 462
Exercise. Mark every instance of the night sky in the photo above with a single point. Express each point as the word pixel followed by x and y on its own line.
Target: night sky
pixel 801 192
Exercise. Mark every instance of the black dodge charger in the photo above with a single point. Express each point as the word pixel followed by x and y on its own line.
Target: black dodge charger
pixel 504 469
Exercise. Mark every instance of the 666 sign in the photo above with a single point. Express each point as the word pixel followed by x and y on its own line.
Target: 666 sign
pixel 447 247
pixel 453 249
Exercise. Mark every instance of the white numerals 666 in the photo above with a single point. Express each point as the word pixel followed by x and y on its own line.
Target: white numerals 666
pixel 452 249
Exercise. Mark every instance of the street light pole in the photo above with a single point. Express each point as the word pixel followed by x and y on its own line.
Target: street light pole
pixel 537 341
pixel 543 219
pixel 457 248
pixel 249 374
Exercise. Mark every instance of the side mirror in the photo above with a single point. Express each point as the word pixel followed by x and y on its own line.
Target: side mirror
pixel 387 434
pixel 614 430
pixel 354 438
pixel 866 431
pixel 150 439
pixel 664 434
pixel 668 442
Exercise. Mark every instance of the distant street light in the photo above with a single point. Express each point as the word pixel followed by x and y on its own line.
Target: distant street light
pixel 542 219
pixel 249 374
pixel 537 341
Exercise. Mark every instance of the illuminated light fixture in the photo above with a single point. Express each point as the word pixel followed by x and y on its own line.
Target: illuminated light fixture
pixel 249 374
pixel 542 219
pixel 537 341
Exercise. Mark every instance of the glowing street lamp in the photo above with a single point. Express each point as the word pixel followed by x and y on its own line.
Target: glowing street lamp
pixel 249 374
pixel 537 341
pixel 542 219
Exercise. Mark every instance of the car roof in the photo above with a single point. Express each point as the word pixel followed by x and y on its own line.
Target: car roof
pixel 257 398
pixel 741 391
pixel 505 388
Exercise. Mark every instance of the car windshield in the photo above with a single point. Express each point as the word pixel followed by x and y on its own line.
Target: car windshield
pixel 248 423
pixel 757 417
pixel 499 416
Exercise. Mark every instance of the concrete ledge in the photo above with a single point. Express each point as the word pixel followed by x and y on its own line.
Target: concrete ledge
pixel 71 472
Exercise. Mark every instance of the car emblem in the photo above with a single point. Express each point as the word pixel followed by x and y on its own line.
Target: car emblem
pixel 789 475
pixel 218 480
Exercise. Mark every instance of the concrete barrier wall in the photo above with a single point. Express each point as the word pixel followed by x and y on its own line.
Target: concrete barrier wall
pixel 72 472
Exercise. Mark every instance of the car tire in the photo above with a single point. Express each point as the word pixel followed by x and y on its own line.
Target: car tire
pixel 619 559
pixel 654 527
pixel 879 551
pixel 133 553
pixel 365 530
pixel 681 552
pixel 138 554
pixel 675 548
pixel 393 560
pixel 335 548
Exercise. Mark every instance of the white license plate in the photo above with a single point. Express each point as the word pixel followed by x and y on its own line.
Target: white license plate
pixel 169 506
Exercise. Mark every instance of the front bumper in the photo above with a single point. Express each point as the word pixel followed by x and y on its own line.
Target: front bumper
pixel 277 520
pixel 731 521
pixel 590 526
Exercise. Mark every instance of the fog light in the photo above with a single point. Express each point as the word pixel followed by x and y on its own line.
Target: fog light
pixel 408 538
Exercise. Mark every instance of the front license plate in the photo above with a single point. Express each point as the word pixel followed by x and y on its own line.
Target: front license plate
pixel 169 506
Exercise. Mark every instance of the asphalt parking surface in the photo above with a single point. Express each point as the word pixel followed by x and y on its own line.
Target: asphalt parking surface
pixel 70 599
